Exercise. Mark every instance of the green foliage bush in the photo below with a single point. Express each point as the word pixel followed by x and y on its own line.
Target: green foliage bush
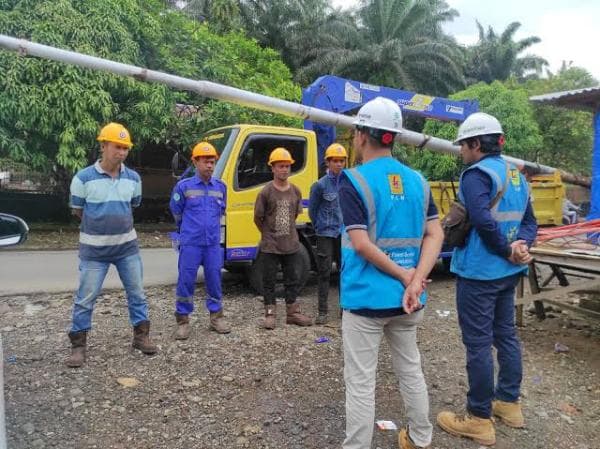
pixel 50 112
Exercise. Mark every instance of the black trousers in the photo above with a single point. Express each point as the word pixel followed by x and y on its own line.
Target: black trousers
pixel 328 250
pixel 289 264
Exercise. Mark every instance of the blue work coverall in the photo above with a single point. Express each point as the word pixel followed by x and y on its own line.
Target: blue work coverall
pixel 197 207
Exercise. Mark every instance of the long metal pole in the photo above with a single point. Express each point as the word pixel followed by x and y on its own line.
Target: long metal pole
pixel 232 95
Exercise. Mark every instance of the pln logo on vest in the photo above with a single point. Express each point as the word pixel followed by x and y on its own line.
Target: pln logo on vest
pixel 512 233
pixel 515 179
pixel 396 186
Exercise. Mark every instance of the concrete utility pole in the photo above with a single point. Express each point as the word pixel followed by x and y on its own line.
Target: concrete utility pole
pixel 233 95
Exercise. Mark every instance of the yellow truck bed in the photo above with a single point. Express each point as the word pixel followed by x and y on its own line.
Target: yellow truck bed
pixel 547 195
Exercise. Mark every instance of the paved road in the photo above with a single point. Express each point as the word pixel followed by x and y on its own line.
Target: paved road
pixel 25 272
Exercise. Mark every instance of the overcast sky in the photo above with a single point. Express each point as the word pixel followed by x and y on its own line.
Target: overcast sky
pixel 569 29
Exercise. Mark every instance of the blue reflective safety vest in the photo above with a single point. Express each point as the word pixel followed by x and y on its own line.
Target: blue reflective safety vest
pixel 475 260
pixel 396 199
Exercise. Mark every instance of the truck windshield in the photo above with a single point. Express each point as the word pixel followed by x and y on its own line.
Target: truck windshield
pixel 222 140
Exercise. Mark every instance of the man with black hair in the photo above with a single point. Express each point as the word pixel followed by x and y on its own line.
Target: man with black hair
pixel 326 217
pixel 391 240
pixel 488 268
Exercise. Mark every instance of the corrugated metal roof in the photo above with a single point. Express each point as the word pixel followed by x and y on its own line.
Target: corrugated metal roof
pixel 587 99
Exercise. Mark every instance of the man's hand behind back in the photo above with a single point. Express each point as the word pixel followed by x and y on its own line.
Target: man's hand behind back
pixel 520 253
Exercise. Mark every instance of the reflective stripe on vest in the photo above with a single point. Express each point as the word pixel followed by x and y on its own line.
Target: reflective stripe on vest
pixel 388 243
pixel 192 193
pixel 372 216
pixel 368 195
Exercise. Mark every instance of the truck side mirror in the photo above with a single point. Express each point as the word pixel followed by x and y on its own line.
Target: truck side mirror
pixel 178 165
pixel 13 230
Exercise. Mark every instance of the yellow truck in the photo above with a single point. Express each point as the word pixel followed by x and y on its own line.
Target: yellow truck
pixel 547 195
pixel 242 166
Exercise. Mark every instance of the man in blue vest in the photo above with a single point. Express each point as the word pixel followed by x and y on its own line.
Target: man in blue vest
pixel 391 241
pixel 326 217
pixel 197 204
pixel 488 269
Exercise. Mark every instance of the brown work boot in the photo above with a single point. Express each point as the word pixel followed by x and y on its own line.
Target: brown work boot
pixel 269 322
pixel 478 429
pixel 218 323
pixel 78 342
pixel 294 316
pixel 141 338
pixel 404 441
pixel 321 319
pixel 183 326
pixel 509 413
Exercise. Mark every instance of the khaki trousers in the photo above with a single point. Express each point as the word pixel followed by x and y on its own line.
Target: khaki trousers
pixel 361 339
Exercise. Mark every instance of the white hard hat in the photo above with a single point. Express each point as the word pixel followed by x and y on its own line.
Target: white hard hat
pixel 478 124
pixel 380 113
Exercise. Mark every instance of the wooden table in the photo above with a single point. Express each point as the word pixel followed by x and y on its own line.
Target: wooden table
pixel 584 264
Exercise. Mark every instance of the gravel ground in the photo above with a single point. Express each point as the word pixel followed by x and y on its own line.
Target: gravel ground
pixel 260 389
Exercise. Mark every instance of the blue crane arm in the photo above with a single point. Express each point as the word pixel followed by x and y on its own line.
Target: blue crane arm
pixel 340 95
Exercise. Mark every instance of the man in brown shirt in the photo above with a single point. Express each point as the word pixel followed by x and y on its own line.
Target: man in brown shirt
pixel 275 211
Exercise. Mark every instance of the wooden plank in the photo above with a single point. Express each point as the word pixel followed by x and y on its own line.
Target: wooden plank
pixel 534 287
pixel 578 309
pixel 540 251
pixel 547 295
pixel 566 259
pixel 570 261
pixel 519 308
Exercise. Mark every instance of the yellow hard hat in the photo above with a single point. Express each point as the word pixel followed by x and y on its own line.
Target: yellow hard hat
pixel 116 133
pixel 204 149
pixel 280 154
pixel 335 150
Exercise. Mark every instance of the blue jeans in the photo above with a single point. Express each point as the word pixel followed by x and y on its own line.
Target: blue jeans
pixel 91 277
pixel 487 317
pixel 190 259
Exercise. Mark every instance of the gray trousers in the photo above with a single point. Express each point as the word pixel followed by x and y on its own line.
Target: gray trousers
pixel 361 338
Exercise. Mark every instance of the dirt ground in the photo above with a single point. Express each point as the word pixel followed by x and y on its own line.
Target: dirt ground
pixel 259 389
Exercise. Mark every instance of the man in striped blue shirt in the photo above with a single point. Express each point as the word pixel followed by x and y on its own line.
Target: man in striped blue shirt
pixel 102 196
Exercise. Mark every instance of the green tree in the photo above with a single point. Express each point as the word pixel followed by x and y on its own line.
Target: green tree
pixel 50 112
pixel 292 27
pixel 397 43
pixel 510 106
pixel 567 134
pixel 498 56
pixel 221 15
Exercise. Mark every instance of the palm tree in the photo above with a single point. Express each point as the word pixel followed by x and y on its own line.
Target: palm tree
pixel 221 15
pixel 496 57
pixel 291 27
pixel 398 43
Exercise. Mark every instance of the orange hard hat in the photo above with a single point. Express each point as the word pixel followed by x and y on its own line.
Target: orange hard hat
pixel 280 154
pixel 204 149
pixel 116 133
pixel 335 150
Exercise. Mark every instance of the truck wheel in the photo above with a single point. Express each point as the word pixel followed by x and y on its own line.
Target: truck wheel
pixel 254 273
pixel 236 268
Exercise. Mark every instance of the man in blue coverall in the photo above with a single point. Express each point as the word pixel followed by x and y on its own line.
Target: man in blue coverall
pixel 326 217
pixel 488 268
pixel 197 204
